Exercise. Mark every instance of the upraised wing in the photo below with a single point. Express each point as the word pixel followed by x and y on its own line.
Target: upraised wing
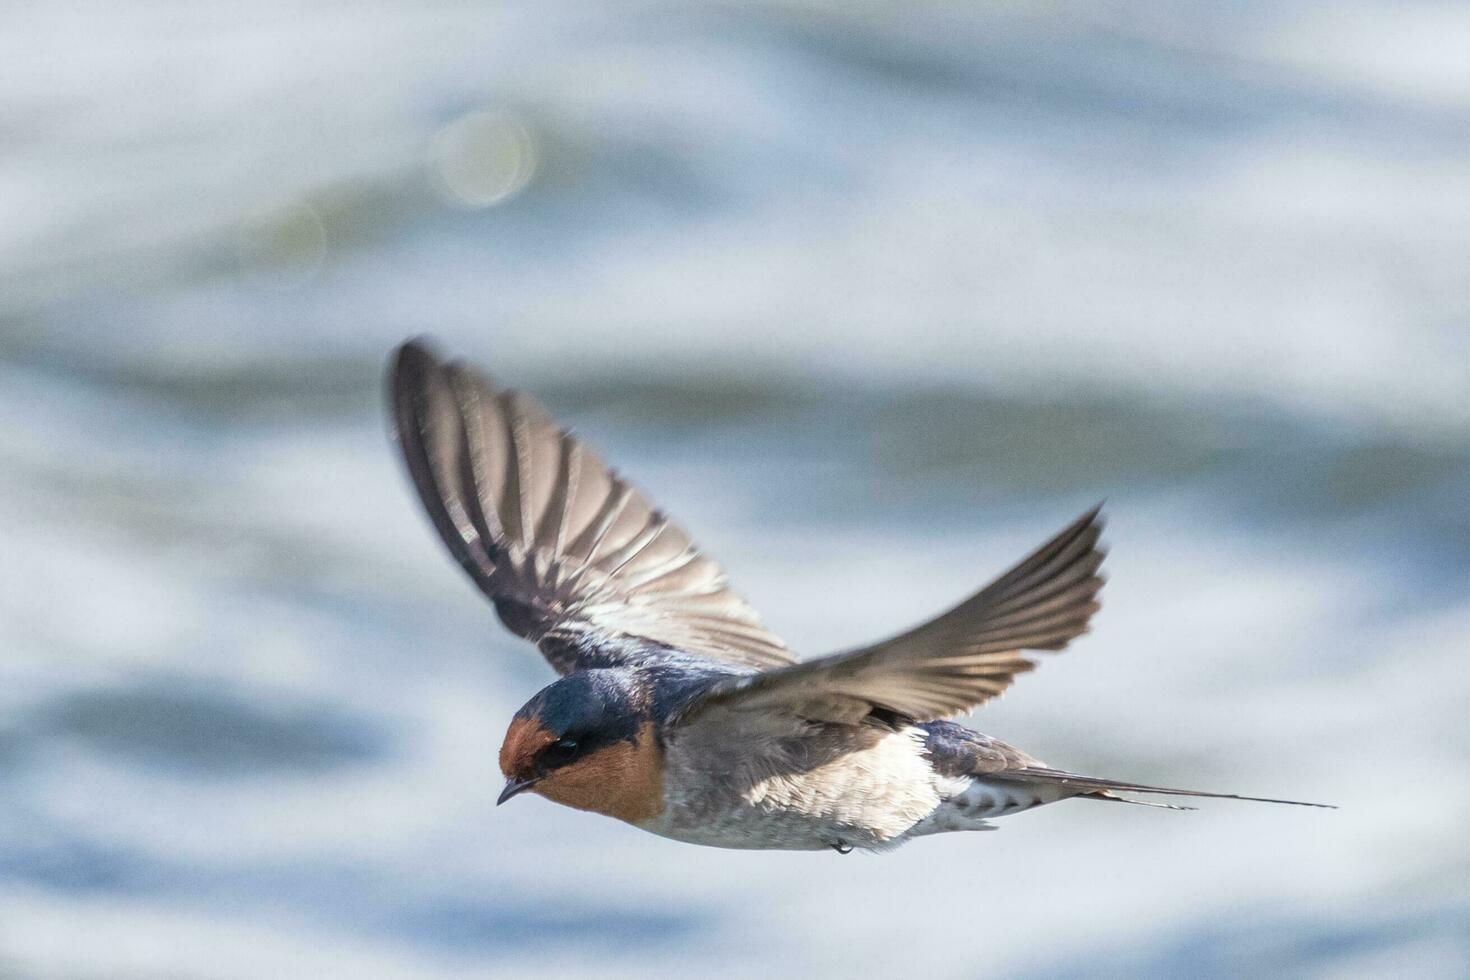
pixel 574 558
pixel 948 665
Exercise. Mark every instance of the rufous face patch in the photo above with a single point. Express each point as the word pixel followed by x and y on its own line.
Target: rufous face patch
pixel 622 780
pixel 523 740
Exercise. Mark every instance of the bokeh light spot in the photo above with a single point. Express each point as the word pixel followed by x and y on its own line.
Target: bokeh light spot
pixel 481 159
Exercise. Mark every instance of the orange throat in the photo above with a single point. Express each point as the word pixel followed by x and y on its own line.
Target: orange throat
pixel 624 780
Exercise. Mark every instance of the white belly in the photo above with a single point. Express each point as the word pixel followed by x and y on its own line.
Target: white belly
pixel 820 791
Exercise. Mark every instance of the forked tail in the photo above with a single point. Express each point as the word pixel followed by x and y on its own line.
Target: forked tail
pixel 1103 788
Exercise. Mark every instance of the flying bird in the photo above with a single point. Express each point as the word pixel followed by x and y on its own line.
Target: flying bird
pixel 677 711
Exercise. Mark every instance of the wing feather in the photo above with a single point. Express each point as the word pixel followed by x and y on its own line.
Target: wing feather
pixel 569 551
pixel 952 663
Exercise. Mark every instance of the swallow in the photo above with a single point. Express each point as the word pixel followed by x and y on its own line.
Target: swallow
pixel 676 710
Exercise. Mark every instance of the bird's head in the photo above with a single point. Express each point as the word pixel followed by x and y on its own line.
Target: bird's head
pixel 586 742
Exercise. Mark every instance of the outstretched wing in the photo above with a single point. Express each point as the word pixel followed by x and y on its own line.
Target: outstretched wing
pixel 950 664
pixel 573 556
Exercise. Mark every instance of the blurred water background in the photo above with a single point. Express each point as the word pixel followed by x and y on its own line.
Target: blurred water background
pixel 872 297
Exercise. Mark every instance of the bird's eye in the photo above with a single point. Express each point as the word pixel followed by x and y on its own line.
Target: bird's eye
pixel 560 752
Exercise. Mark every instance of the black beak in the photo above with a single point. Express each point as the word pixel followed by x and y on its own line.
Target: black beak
pixel 514 786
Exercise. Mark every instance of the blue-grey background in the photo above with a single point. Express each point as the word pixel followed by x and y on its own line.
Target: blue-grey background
pixel 873 297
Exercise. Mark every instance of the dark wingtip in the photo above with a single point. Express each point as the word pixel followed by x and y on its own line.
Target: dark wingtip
pixel 412 358
pixel 1096 519
pixel 411 368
